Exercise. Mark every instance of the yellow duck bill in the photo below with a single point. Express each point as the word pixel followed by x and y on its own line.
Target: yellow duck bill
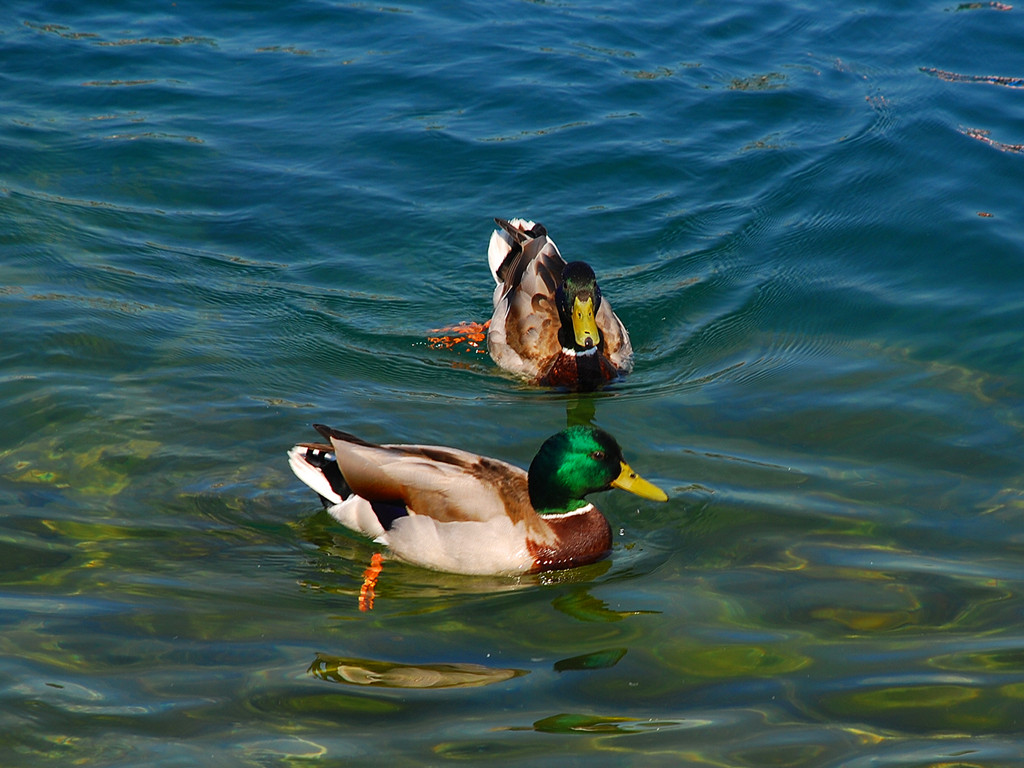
pixel 628 480
pixel 584 323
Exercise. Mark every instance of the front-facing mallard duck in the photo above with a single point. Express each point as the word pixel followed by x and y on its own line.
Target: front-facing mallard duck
pixel 454 511
pixel 551 325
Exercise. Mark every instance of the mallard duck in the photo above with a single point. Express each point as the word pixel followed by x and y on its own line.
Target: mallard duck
pixel 551 325
pixel 450 510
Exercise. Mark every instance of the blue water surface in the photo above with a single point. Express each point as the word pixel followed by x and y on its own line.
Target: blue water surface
pixel 223 221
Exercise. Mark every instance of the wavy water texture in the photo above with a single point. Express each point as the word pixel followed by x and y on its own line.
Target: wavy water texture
pixel 224 223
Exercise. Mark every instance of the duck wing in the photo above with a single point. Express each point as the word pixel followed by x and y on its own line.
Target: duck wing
pixel 527 267
pixel 615 344
pixel 445 484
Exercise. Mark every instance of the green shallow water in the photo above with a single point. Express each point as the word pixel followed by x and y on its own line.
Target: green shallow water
pixel 222 222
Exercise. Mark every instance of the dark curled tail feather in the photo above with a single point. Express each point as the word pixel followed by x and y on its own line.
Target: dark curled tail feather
pixel 336 434
pixel 321 457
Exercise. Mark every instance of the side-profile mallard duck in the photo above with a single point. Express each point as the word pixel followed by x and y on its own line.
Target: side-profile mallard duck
pixel 551 325
pixel 450 510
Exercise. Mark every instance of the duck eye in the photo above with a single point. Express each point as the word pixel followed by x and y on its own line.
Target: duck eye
pixel 597 455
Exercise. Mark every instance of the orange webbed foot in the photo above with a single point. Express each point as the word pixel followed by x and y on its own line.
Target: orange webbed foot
pixel 467 333
pixel 366 592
